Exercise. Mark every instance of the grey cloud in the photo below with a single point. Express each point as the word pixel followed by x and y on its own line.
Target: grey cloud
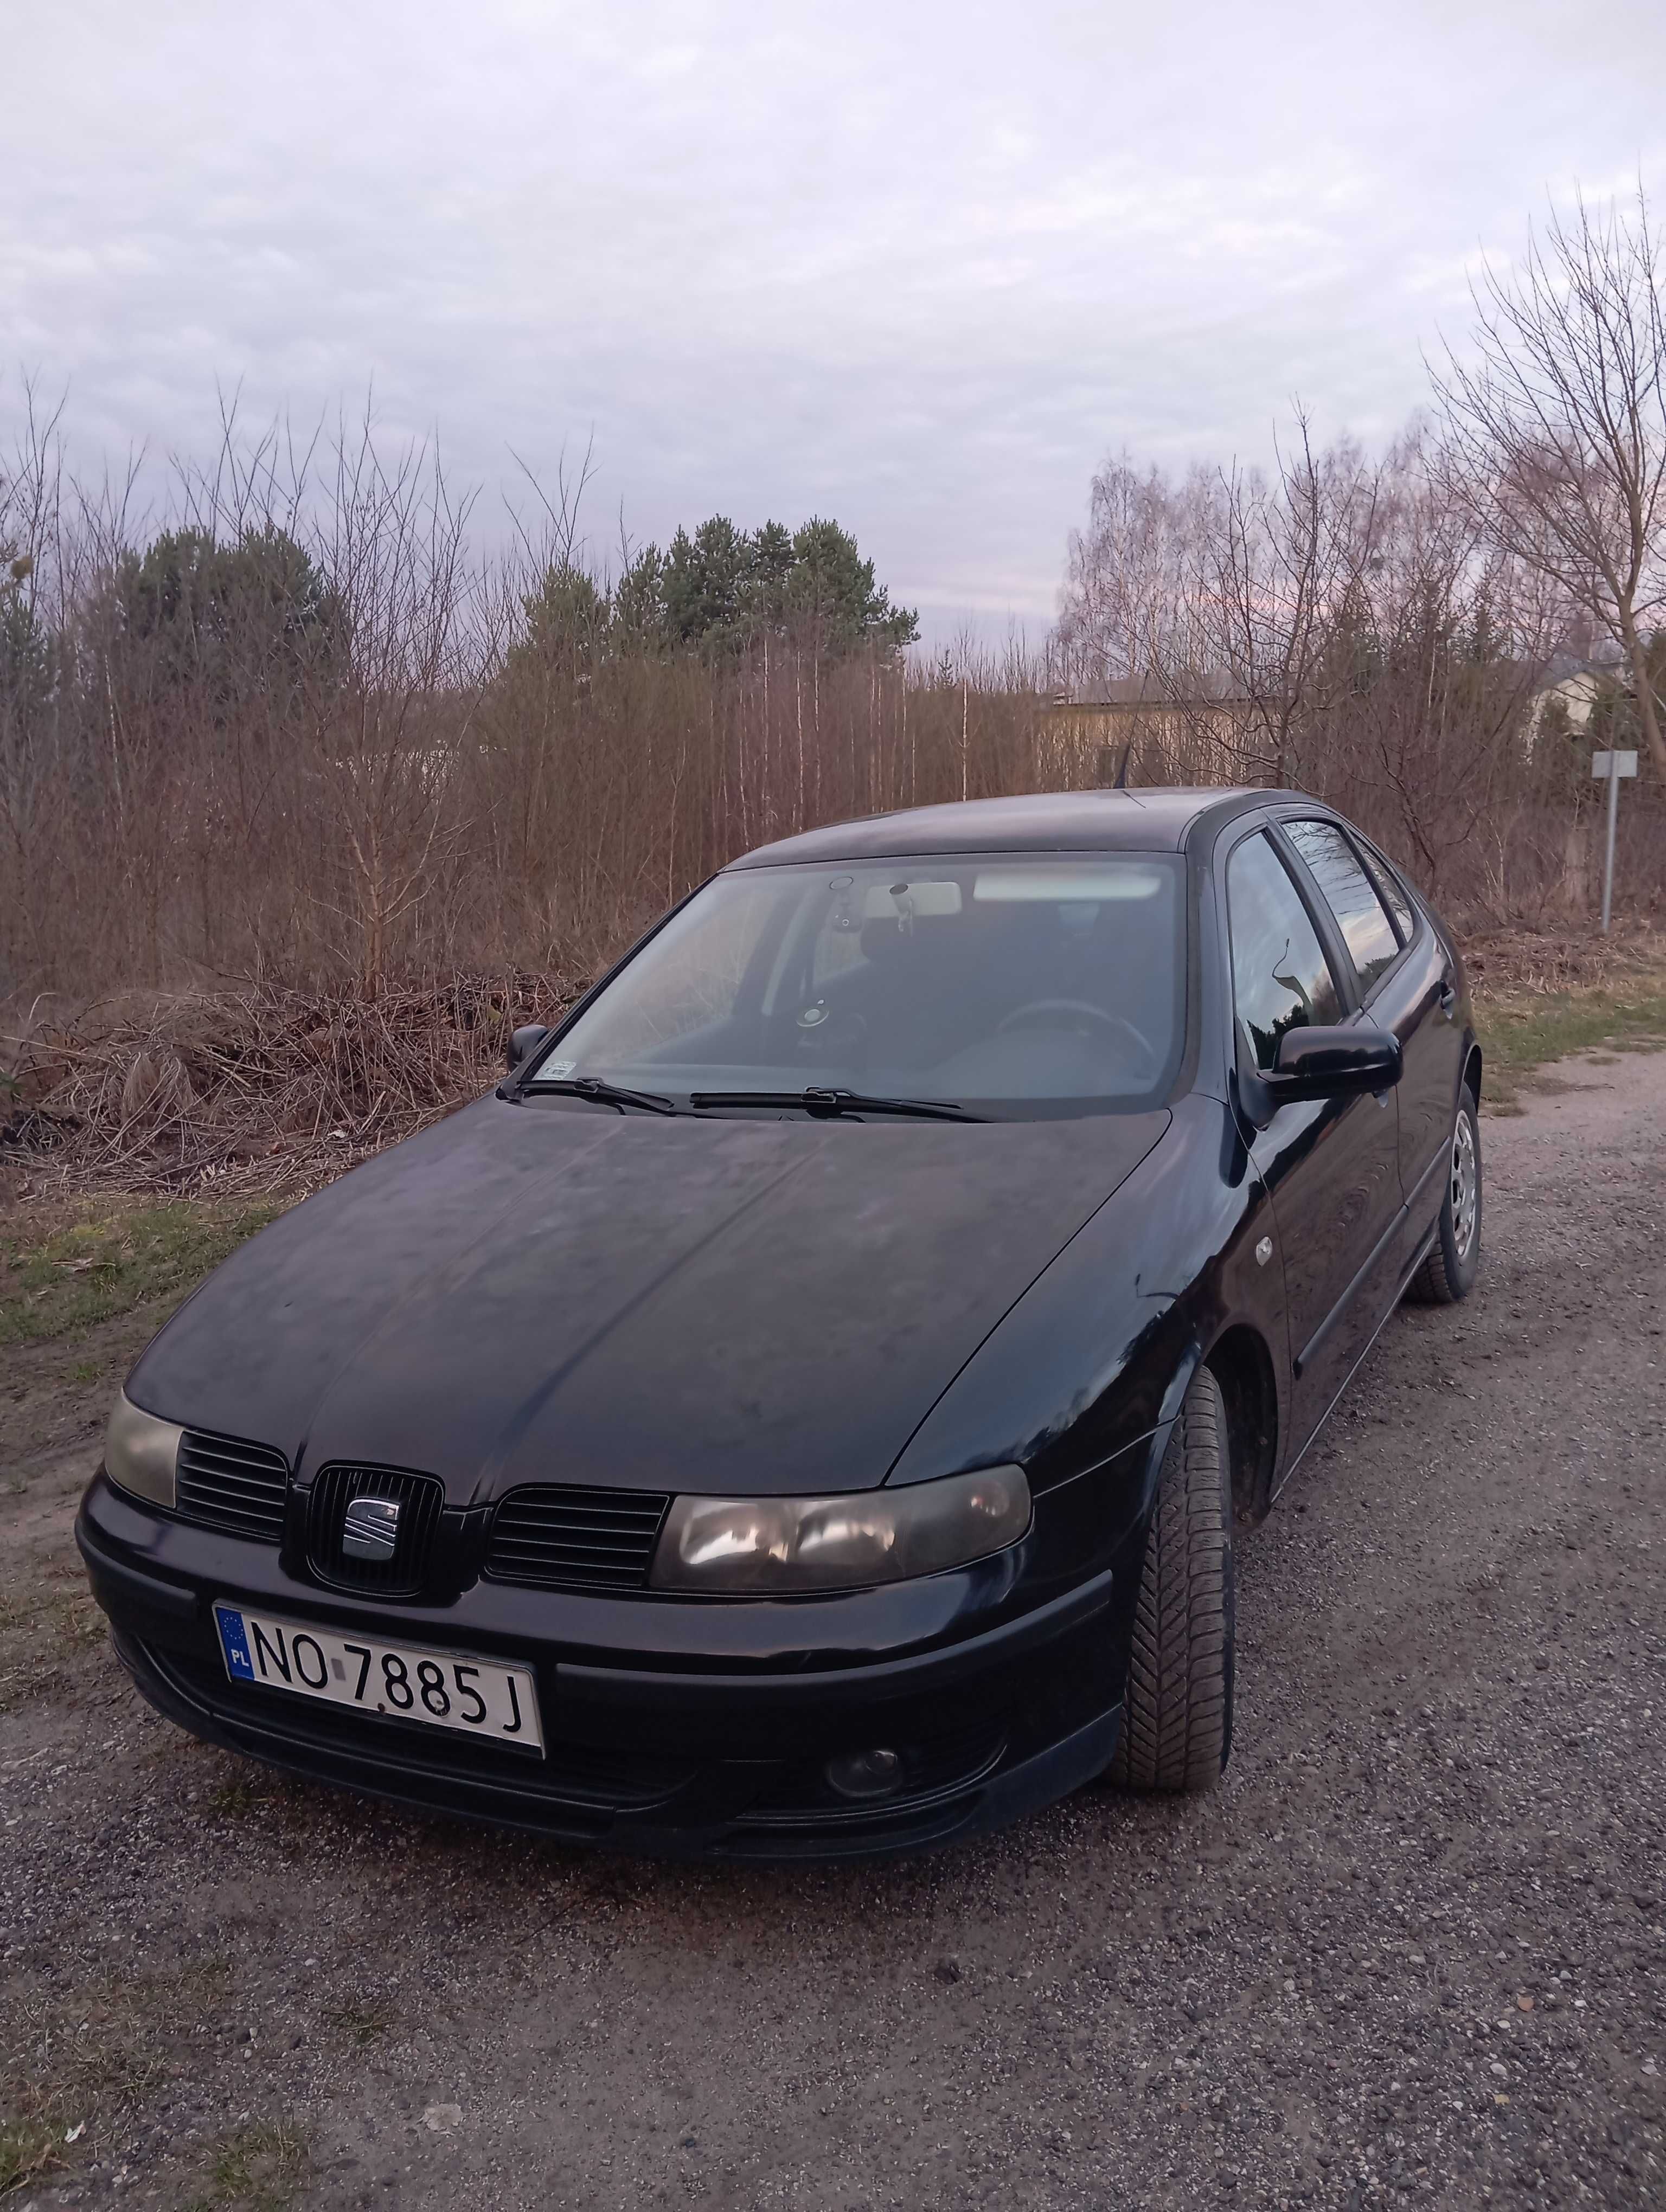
pixel 917 267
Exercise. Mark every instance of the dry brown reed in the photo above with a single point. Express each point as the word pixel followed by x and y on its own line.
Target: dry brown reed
pixel 254 1088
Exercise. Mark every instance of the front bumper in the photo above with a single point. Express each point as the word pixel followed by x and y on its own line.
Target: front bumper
pixel 688 1728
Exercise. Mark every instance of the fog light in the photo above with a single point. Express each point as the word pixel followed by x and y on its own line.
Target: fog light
pixel 865 1773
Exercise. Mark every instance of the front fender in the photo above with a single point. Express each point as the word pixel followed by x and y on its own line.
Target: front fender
pixel 1098 1352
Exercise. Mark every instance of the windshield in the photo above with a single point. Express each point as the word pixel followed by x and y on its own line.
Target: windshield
pixel 1029 983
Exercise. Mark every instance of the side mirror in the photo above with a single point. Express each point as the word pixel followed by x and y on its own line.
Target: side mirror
pixel 524 1043
pixel 1332 1063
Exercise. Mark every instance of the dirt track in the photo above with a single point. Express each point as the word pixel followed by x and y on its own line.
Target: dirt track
pixel 1414 1946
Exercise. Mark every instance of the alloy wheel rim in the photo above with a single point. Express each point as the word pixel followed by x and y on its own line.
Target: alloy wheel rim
pixel 1466 1182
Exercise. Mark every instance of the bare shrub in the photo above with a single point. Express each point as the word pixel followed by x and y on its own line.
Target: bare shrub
pixel 258 1087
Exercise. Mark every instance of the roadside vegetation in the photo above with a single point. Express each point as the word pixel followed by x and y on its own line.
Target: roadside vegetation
pixel 258 2167
pixel 326 800
pixel 305 735
pixel 112 1260
pixel 80 2069
pixel 1541 997
pixel 26 2148
pixel 1521 1033
pixel 47 1622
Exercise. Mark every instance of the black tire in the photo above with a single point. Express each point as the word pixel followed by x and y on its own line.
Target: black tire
pixel 1448 1274
pixel 1177 1713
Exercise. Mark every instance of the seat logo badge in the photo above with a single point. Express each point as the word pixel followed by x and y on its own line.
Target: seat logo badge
pixel 1263 1253
pixel 370 1529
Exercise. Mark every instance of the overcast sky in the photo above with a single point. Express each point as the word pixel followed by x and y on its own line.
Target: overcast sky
pixel 917 265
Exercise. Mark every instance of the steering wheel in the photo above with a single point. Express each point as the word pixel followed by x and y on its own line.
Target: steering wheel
pixel 1046 1013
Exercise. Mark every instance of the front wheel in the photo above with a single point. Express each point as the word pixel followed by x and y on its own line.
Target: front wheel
pixel 1177 1713
pixel 1454 1261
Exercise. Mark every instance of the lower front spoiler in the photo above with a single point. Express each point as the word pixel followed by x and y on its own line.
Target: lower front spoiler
pixel 715 1756
pixel 959 1813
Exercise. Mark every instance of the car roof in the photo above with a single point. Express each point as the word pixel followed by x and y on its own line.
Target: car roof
pixel 1157 819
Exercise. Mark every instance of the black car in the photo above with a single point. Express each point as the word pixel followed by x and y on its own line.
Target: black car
pixel 806 1408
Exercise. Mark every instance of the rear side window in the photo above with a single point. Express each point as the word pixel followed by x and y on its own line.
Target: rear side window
pixel 1394 895
pixel 1348 892
pixel 1280 977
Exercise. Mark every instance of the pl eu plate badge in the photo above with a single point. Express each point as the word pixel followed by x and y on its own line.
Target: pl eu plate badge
pixel 235 1643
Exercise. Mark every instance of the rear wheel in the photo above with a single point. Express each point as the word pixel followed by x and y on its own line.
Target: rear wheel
pixel 1177 1713
pixel 1454 1261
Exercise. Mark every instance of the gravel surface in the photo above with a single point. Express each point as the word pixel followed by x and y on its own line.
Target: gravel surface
pixel 1411 1948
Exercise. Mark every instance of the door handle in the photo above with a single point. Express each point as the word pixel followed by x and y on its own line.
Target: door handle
pixel 1448 996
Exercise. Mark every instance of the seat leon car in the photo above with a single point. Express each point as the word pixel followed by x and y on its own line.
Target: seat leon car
pixel 806 1407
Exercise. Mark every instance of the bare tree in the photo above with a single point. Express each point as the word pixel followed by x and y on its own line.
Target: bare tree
pixel 1557 424
pixel 1215 596
pixel 1430 658
pixel 1285 558
pixel 1134 585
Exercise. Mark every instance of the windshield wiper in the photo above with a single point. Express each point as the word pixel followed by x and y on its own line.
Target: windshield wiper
pixel 821 1100
pixel 603 1093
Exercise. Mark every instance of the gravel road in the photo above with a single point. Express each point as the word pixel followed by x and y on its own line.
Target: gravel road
pixel 1412 1948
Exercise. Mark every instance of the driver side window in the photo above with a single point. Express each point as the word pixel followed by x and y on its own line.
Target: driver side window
pixel 1280 977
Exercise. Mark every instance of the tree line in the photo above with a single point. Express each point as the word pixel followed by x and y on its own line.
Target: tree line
pixel 1413 601
pixel 305 729
pixel 259 616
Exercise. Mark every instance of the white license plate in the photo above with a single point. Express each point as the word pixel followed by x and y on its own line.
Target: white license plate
pixel 406 1681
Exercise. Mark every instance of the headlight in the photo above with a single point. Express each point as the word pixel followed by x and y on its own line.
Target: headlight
pixel 755 1545
pixel 139 1452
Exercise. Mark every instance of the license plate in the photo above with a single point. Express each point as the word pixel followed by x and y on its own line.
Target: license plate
pixel 402 1682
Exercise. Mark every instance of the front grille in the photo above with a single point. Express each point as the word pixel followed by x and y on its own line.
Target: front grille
pixel 573 1537
pixel 231 1485
pixel 419 1497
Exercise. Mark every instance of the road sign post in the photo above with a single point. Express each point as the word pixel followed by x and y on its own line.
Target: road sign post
pixel 1609 768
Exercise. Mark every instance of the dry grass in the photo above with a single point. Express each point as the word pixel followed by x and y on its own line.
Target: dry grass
pixel 1522 1032
pixel 28 2149
pixel 77 2068
pixel 83 2069
pixel 363 2022
pixel 1540 961
pixel 46 1626
pixel 1540 996
pixel 262 1090
pixel 258 2167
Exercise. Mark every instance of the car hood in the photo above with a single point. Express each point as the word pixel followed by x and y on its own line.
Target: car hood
pixel 529 1294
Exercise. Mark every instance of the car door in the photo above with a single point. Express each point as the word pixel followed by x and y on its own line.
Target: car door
pixel 1408 987
pixel 1426 997
pixel 1330 1166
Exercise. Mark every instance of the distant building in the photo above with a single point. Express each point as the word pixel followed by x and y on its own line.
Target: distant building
pixel 1573 697
pixel 1196 729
